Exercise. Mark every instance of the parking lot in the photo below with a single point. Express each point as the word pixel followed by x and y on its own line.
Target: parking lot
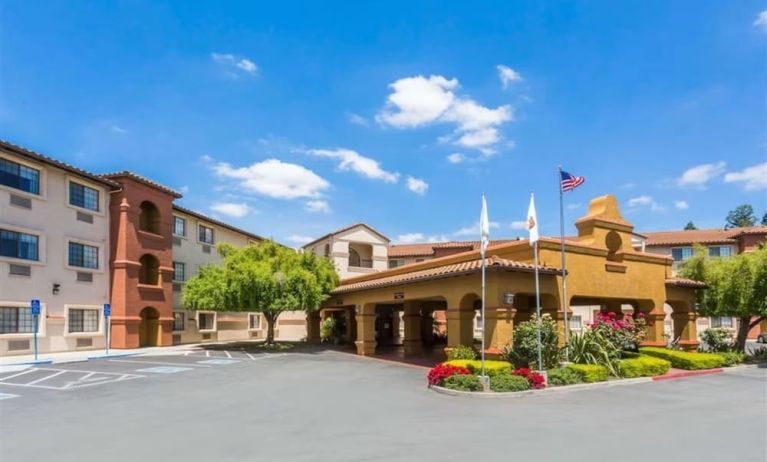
pixel 323 405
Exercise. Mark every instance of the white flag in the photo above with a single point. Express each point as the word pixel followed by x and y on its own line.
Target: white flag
pixel 532 221
pixel 484 228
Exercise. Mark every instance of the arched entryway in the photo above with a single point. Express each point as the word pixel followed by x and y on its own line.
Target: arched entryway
pixel 149 327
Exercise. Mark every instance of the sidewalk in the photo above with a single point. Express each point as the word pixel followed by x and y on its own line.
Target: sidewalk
pixel 85 355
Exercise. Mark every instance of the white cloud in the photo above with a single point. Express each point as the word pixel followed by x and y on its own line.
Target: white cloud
pixel 232 209
pixel 409 238
pixel 761 20
pixel 681 205
pixel 417 185
pixel 701 174
pixel 352 160
pixel 522 224
pixel 640 201
pixel 299 239
pixel 474 229
pixel 117 129
pixel 274 178
pixel 317 206
pixel 507 75
pixel 357 119
pixel 417 101
pixel 456 158
pixel 628 186
pixel 577 205
pixel 231 64
pixel 754 178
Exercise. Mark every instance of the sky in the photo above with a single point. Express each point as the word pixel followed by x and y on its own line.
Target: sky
pixel 292 119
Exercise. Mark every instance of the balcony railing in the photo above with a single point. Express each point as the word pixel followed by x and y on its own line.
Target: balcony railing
pixel 361 264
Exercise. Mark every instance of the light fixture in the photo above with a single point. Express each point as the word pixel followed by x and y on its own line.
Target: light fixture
pixel 56 288
pixel 508 298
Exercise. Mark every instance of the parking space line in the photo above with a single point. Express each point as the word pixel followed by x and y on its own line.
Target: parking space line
pixel 207 353
pixel 164 363
pixel 227 354
pixel 249 355
pixel 46 377
pixel 16 375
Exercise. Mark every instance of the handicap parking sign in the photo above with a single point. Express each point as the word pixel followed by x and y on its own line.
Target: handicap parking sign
pixel 35 305
pixel 107 309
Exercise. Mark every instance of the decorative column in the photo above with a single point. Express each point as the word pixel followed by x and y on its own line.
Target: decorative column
pixel 460 327
pixel 685 329
pixel 412 318
pixel 366 330
pixel 499 323
pixel 313 326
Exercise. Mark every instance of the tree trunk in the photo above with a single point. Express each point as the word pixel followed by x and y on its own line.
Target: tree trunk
pixel 270 320
pixel 744 325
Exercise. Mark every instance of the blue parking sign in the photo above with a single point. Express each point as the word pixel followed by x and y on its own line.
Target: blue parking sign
pixel 35 305
pixel 107 309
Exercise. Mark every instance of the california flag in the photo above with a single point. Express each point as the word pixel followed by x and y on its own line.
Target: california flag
pixel 484 227
pixel 532 221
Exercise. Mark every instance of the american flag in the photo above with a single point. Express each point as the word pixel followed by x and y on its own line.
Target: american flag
pixel 570 181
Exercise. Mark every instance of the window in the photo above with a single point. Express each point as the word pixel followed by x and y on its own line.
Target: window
pixel 681 253
pixel 395 263
pixel 18 245
pixel 720 251
pixel 83 196
pixel 722 321
pixel 16 320
pixel 83 256
pixel 83 320
pixel 179 320
pixel 19 176
pixel 254 321
pixel 206 321
pixel 205 235
pixel 149 218
pixel 576 322
pixel 179 271
pixel 179 226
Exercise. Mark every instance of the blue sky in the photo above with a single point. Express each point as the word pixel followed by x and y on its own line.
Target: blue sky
pixel 294 119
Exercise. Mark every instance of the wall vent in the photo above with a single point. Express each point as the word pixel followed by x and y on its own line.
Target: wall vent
pixel 23 202
pixel 176 241
pixel 85 217
pixel 206 336
pixel 84 277
pixel 84 342
pixel 20 270
pixel 205 248
pixel 18 345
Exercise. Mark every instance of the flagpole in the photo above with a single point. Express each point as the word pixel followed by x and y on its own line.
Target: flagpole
pixel 538 305
pixel 565 304
pixel 482 255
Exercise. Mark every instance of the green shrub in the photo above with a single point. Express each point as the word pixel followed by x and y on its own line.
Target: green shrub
pixel 327 329
pixel 504 382
pixel 462 352
pixel 757 355
pixel 629 354
pixel 732 358
pixel 563 376
pixel 685 360
pixel 717 339
pixel 475 366
pixel 590 373
pixel 523 351
pixel 592 347
pixel 463 383
pixel 643 366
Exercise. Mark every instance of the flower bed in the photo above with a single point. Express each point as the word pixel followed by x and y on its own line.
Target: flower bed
pixel 685 360
pixel 590 373
pixel 643 366
pixel 475 366
pixel 462 375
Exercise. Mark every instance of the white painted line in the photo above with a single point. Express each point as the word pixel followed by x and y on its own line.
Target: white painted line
pixel 218 362
pixel 46 377
pixel 227 354
pixel 20 373
pixel 164 363
pixel 207 353
pixel 249 355
pixel 165 369
pixel 7 396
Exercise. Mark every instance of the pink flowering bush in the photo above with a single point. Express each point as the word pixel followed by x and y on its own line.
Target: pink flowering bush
pixel 621 334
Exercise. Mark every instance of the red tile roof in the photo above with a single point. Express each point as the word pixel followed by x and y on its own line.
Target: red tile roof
pixel 202 217
pixel 494 263
pixel 125 173
pixel 427 249
pixel 701 236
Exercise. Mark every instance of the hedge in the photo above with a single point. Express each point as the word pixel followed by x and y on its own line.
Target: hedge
pixel 503 382
pixel 643 366
pixel 685 360
pixel 563 376
pixel 732 358
pixel 463 383
pixel 475 366
pixel 590 372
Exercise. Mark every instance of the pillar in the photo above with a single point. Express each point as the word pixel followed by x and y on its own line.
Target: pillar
pixel 499 325
pixel 412 320
pixel 460 327
pixel 685 329
pixel 655 318
pixel 366 330
pixel 313 327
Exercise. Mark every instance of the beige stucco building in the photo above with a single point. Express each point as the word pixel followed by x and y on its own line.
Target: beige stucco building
pixel 355 250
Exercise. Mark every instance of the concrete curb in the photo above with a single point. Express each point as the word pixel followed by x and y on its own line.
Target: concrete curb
pixel 745 366
pixel 687 374
pixel 518 394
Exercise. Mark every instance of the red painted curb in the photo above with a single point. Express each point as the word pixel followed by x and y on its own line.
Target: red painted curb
pixel 682 375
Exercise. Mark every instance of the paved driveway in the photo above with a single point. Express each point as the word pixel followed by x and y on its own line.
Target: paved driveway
pixel 323 406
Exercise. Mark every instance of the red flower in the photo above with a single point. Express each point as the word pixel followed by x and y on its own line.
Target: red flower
pixel 442 371
pixel 611 314
pixel 535 379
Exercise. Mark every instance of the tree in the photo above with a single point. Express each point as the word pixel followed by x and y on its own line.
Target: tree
pixel 737 286
pixel 690 226
pixel 741 216
pixel 266 278
pixel 764 219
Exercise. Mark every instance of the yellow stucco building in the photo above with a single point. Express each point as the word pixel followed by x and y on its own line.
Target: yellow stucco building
pixel 603 270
